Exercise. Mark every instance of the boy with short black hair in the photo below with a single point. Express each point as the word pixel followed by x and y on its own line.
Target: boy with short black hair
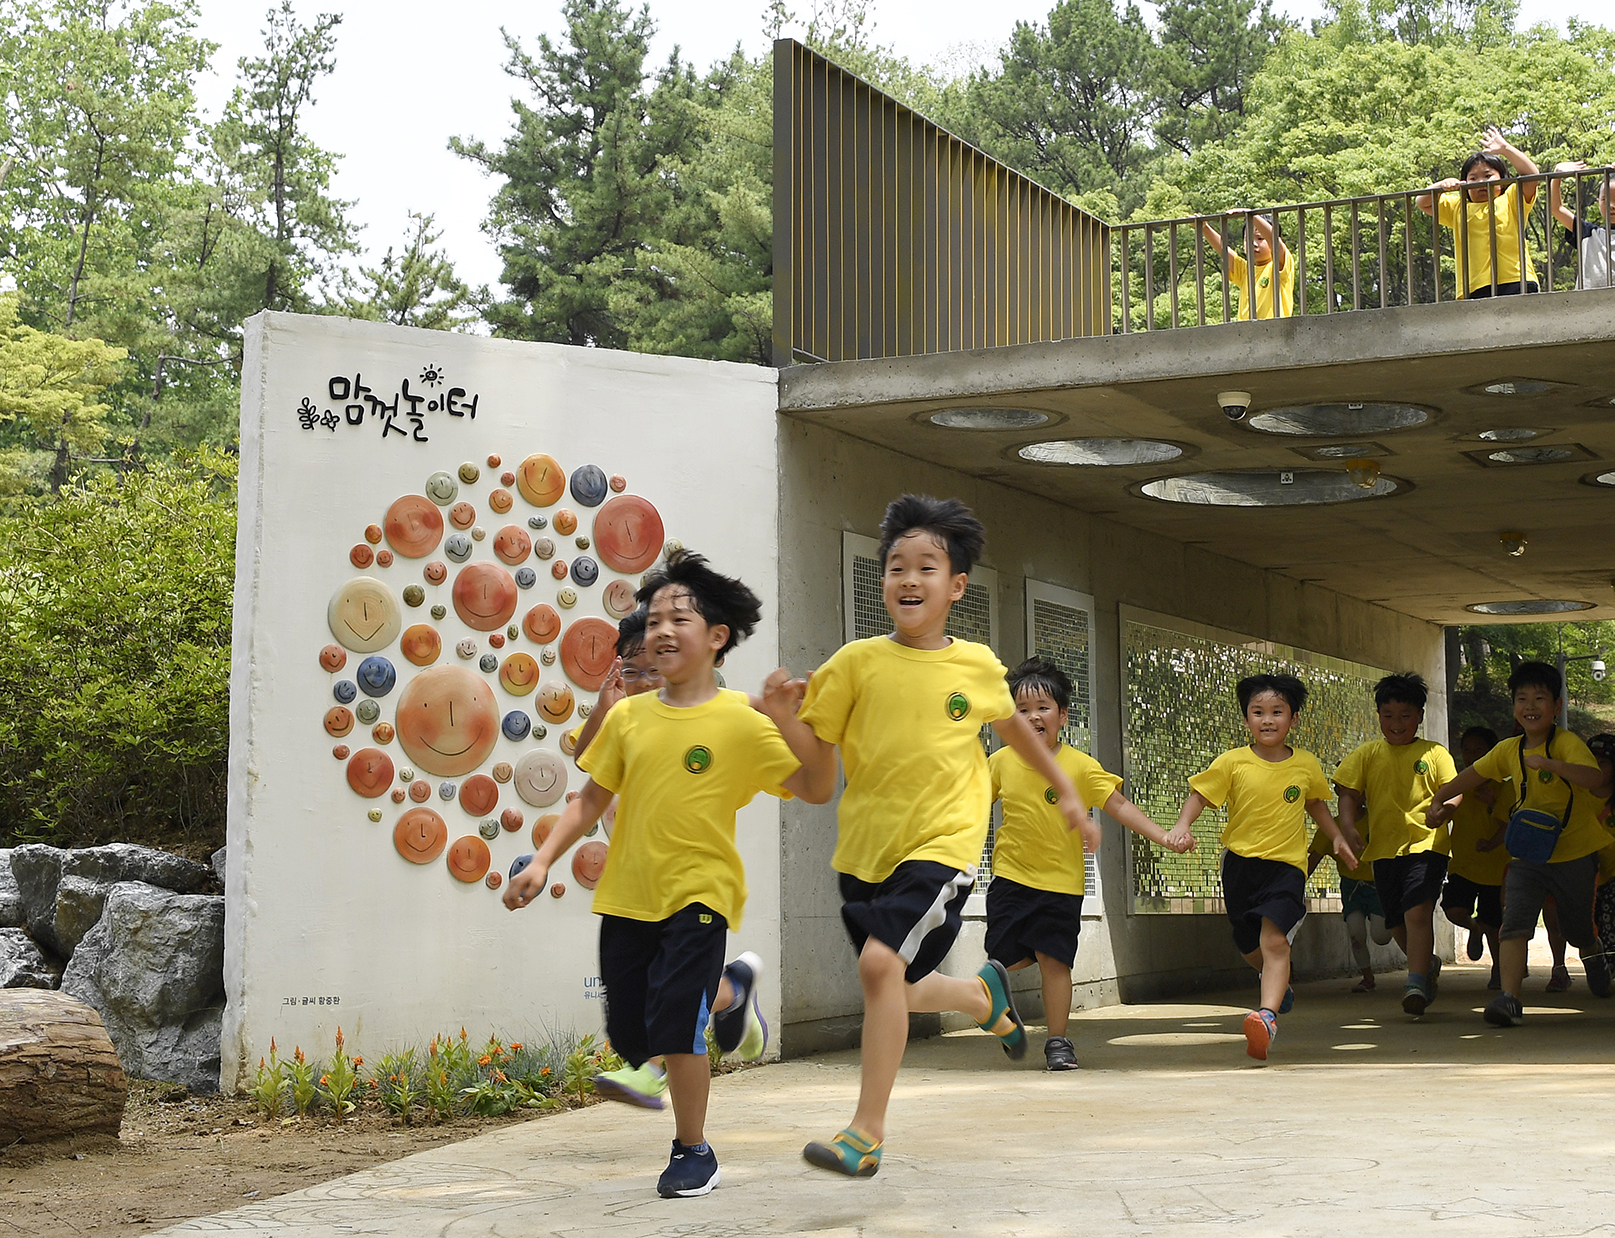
pixel 1473 897
pixel 682 761
pixel 1271 789
pixel 1550 776
pixel 1034 902
pixel 906 711
pixel 1398 774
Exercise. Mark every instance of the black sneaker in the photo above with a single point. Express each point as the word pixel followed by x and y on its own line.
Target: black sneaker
pixel 1059 1053
pixel 1504 1011
pixel 688 1172
pixel 1477 943
pixel 1597 969
pixel 729 1025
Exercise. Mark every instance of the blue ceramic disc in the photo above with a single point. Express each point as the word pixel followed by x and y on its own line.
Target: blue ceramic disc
pixel 516 725
pixel 344 691
pixel 589 485
pixel 376 676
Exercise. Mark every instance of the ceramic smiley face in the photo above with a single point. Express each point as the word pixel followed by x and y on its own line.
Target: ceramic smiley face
pixel 628 533
pixel 376 676
pixel 540 778
pixel 421 644
pixel 447 720
pixel 618 599
pixel 555 702
pixel 519 674
pixel 500 500
pixel 420 835
pixel 462 515
pixel 589 485
pixel 469 859
pixel 414 526
pixel 566 522
pixel 542 624
pixel 436 572
pixel 485 596
pixel 364 614
pixel 333 658
pixel 540 479
pixel 588 862
pixel 512 545
pixel 441 488
pixel 370 772
pixel 587 652
pixel 458 547
pixel 338 721
pixel 361 555
pixel 478 795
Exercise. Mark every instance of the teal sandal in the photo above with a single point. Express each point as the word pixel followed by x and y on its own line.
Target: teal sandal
pixel 848 1153
pixel 995 980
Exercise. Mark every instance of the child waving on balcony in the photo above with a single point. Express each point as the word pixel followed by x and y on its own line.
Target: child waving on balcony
pixel 1263 242
pixel 1492 208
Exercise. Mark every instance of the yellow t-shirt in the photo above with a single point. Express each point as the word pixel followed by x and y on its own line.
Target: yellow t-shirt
pixel 908 722
pixel 1267 802
pixel 680 776
pixel 1264 286
pixel 1479 237
pixel 1398 781
pixel 1473 822
pixel 1033 845
pixel 1548 793
pixel 1321 845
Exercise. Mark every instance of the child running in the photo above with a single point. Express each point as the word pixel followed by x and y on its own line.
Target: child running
pixel 907 711
pixel 1359 908
pixel 1270 789
pixel 1398 775
pixel 1034 903
pixel 683 761
pixel 1473 897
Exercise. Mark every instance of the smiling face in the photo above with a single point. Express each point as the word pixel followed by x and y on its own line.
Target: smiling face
pixel 682 643
pixel 519 674
pixel 1399 722
pixel 1269 720
pixel 447 721
pixel 1536 709
pixel 555 702
pixel 485 596
pixel 587 651
pixel 364 614
pixel 540 479
pixel 540 778
pixel 628 534
pixel 462 515
pixel 414 526
pixel 370 772
pixel 512 544
pixel 1042 714
pixel 420 835
pixel 919 586
pixel 421 644
pixel 469 858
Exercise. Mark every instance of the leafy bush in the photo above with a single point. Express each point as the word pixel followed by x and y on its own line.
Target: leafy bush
pixel 115 658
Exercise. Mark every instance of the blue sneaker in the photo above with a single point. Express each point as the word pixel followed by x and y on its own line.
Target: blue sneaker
pixel 688 1172
pixel 1288 1002
pixel 729 1026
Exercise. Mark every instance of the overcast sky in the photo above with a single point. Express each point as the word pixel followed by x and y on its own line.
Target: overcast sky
pixel 410 74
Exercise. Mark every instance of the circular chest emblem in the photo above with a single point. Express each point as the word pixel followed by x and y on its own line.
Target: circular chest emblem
pixel 1048 794
pixel 698 760
pixel 958 706
pixel 1292 793
pixel 1421 766
pixel 1544 776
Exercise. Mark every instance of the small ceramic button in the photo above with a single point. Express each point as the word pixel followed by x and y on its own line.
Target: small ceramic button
pixel 671 547
pixel 462 515
pixel 583 543
pixel 406 774
pixel 567 597
pixel 420 835
pixel 526 578
pixel 543 548
pixel 376 676
pixel 547 657
pixel 441 488
pixel 372 534
pixel 542 624
pixel 493 462
pixel 618 483
pixel 420 644
pixel 413 526
pixel 469 472
pixel 374 814
pixel 537 522
pixel 467 648
pixel 384 557
pixel 507 478
pixel 493 881
pixel 569 744
pixel 618 599
pixel 516 725
pixel 478 533
pixel 511 819
pixel 420 791
pixel 558 889
pixel 500 500
pixel 589 485
pixel 540 479
pixel 436 572
pixel 558 569
pixel 382 732
pixel 513 631
pixel 344 691
pixel 585 709
pixel 341 752
pixel 555 701
pixel 367 712
pixel 489 829
pixel 458 547
pixel 414 595
pixel 361 555
pixel 488 663
pixel 439 611
pixel 447 790
pixel 585 571
pixel 496 639
pixel 333 658
pixel 566 522
pixel 512 545
pixel 540 731
pixel 502 772
pixel 399 795
pixel 469 859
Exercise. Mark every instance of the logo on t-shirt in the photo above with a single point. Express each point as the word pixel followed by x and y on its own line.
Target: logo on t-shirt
pixel 958 706
pixel 698 760
pixel 1048 794
pixel 1292 793
pixel 1543 775
pixel 1421 766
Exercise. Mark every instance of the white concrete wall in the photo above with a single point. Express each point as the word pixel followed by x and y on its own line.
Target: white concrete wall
pixel 319 905
pixel 832 482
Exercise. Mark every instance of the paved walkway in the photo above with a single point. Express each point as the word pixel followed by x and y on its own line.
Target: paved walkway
pixel 1364 1123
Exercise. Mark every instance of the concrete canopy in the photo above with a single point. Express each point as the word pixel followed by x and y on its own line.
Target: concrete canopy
pixel 1426 551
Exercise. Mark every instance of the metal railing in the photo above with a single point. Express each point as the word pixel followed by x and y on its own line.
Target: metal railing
pixel 1347 254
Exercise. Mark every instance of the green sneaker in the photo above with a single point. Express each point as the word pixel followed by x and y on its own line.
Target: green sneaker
pixel 643 1086
pixel 995 980
pixel 848 1153
pixel 755 1040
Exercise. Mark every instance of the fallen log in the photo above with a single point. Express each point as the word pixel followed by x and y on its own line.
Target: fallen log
pixel 59 1074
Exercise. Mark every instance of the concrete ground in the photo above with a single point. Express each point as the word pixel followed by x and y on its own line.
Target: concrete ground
pixel 1363 1123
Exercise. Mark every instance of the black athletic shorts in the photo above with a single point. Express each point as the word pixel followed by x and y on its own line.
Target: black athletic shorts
pixel 661 978
pixel 1405 881
pixel 916 911
pixel 1254 890
pixel 1023 922
pixel 1470 898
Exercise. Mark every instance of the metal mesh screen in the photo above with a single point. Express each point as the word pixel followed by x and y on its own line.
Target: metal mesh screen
pixel 1061 634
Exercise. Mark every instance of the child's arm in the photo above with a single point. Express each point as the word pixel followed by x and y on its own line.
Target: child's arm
pixel 611 692
pixel 1214 238
pixel 1318 810
pixel 1187 816
pixel 815 781
pixel 1556 200
pixel 1313 860
pixel 1135 819
pixel 1426 201
pixel 576 818
pixel 1588 777
pixel 1029 746
pixel 1264 229
pixel 1450 796
pixel 1351 807
pixel 1496 144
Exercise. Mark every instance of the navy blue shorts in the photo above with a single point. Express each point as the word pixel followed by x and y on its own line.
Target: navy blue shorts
pixel 916 911
pixel 1405 881
pixel 1254 890
pixel 661 978
pixel 1024 922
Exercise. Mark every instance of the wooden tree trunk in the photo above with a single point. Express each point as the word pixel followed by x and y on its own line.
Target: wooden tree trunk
pixel 59 1074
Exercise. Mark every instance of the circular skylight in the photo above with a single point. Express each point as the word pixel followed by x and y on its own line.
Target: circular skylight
pixel 1531 455
pixel 1548 606
pixel 989 418
pixel 1517 386
pixel 1513 434
pixel 1600 479
pixel 1345 451
pixel 1334 420
pixel 1265 488
pixel 1101 451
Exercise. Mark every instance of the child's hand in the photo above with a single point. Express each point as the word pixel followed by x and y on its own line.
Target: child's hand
pixel 1436 815
pixel 1490 844
pixel 1574 165
pixel 525 886
pixel 1353 839
pixel 1445 183
pixel 781 696
pixel 1181 842
pixel 1492 141
pixel 1344 854
pixel 1084 822
pixel 1535 760
pixel 611 688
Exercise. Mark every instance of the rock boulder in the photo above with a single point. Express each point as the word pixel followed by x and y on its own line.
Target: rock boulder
pixel 38 871
pixel 22 965
pixel 11 912
pixel 117 862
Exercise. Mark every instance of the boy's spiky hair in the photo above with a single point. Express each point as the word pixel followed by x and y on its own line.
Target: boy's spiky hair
pixel 1405 688
pixel 631 632
pixel 1485 734
pixel 1536 675
pixel 1289 687
pixel 948 520
pixel 1041 675
pixel 718 598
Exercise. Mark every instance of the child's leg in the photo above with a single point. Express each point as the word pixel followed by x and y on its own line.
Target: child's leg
pixel 689 1080
pixel 1357 934
pixel 1418 926
pixel 1556 939
pixel 885 1033
pixel 1272 959
pixel 1378 931
pixel 1056 978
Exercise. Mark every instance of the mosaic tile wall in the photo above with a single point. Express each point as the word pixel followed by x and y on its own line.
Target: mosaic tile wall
pixel 1062 634
pixel 1180 712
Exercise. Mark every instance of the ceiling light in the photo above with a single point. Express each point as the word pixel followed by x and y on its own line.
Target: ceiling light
pixel 1513 434
pixel 1265 488
pixel 1518 386
pixel 1363 473
pixel 1337 420
pixel 989 418
pixel 1513 543
pixel 1536 607
pixel 1342 451
pixel 1101 451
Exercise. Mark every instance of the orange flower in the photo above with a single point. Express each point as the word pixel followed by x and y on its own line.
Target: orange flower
pixel 499 1077
pixel 325 1081
pixel 260 1063
pixel 462 1031
pixel 339 1035
pixel 545 1071
pixel 484 1060
pixel 297 1052
pixel 271 1045
pixel 358 1061
pixel 515 1046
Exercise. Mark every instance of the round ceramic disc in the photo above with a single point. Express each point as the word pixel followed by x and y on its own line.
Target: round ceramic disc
pixel 484 596
pixel 588 862
pixel 628 533
pixel 540 778
pixel 540 479
pixel 479 794
pixel 469 859
pixel 421 644
pixel 512 545
pixel 414 526
pixel 420 835
pixel 587 651
pixel 518 674
pixel 365 615
pixel 589 485
pixel 555 702
pixel 370 772
pixel 448 720
pixel 542 624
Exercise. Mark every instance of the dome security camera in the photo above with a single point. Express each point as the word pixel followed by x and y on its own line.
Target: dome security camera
pixel 1234 404
pixel 1599 670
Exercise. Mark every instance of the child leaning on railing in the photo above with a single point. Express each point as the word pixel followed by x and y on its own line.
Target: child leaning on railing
pixel 1482 213
pixel 1593 241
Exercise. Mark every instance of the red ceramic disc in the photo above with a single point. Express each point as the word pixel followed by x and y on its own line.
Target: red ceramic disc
pixel 628 533
pixel 587 651
pixel 370 772
pixel 542 624
pixel 469 859
pixel 588 862
pixel 420 835
pixel 414 526
pixel 484 596
pixel 478 795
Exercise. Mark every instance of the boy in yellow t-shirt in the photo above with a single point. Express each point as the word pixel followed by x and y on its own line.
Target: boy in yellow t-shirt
pixel 682 762
pixel 1359 908
pixel 1397 775
pixel 1034 903
pixel 1267 283
pixel 1551 773
pixel 1473 897
pixel 907 712
pixel 1470 213
pixel 1270 789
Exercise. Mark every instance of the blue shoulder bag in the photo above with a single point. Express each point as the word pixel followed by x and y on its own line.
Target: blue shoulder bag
pixel 1533 834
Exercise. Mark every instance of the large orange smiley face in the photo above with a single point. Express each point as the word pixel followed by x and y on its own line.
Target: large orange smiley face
pixel 519 674
pixel 414 526
pixel 587 652
pixel 448 721
pixel 541 479
pixel 370 772
pixel 420 835
pixel 484 596
pixel 512 544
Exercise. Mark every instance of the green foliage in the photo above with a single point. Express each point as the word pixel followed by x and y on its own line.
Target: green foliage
pixel 302 1073
pixel 1488 654
pixel 339 1079
pixel 271 1086
pixel 418 288
pixel 117 610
